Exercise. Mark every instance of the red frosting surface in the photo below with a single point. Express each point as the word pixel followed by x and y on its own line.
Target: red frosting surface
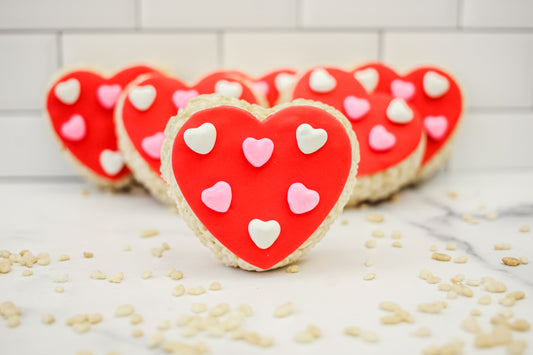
pixel 449 105
pixel 100 129
pixel 261 193
pixel 143 124
pixel 407 135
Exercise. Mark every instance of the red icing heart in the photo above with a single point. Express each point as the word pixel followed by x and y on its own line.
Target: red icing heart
pixel 96 97
pixel 448 105
pixel 171 94
pixel 260 194
pixel 407 135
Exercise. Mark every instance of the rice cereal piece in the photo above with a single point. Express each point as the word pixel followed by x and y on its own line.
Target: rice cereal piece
pixel 441 257
pixel 292 269
pixel 284 310
pixel 215 286
pixel 124 310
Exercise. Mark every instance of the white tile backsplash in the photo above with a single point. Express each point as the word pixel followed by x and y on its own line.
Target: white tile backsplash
pixel 63 14
pixel 497 13
pixel 27 63
pixel 218 14
pixel 494 140
pixel 258 52
pixel 379 13
pixel 486 44
pixel 28 148
pixel 494 69
pixel 186 55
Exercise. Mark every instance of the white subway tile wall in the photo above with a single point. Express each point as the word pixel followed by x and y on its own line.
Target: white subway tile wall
pixel 486 44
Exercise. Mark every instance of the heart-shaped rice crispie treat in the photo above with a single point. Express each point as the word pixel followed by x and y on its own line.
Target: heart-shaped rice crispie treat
pixel 143 112
pixel 260 187
pixel 436 96
pixel 389 130
pixel 80 107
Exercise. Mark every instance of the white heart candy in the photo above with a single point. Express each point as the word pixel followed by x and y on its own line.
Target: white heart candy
pixel 309 139
pixel 435 85
pixel 111 161
pixel 228 88
pixel 399 112
pixel 142 97
pixel 321 81
pixel 201 139
pixel 368 77
pixel 264 234
pixel 68 91
pixel 284 81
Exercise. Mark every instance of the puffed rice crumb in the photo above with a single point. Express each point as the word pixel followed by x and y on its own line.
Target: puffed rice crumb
pixel 485 300
pixel 137 333
pixel 88 254
pixel 523 260
pixel 511 261
pixel 369 276
pixel 178 291
pixel 502 246
pixel 147 233
pixel 397 244
pixel 451 246
pixel 117 278
pixel 352 331
pixel 63 257
pixel 215 286
pixel 378 233
pixel 374 217
pixel 524 229
pixel 48 318
pixel 59 289
pixel 124 310
pixel 196 291
pixel 284 310
pixel 369 262
pixel 441 257
pixel 460 260
pixel 370 244
pixel 27 272
pixel 98 275
pixel 292 269
pixel 396 234
pixel 136 318
pixel 370 337
pixel 422 332
pixel 453 347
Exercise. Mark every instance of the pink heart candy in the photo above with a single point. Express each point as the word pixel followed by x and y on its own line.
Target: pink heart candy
pixel 152 145
pixel 257 151
pixel 108 95
pixel 380 139
pixel 182 97
pixel 402 89
pixel 356 107
pixel 301 199
pixel 74 129
pixel 436 126
pixel 217 197
pixel 261 86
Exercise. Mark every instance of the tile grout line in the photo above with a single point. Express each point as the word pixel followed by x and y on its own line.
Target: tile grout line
pixel 137 15
pixel 381 43
pixel 220 49
pixel 59 53
pixel 460 8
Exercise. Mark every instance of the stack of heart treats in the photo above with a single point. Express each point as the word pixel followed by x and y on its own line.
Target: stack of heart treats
pixel 260 167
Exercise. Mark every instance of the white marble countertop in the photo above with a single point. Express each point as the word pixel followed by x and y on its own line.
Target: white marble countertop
pixel 329 291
